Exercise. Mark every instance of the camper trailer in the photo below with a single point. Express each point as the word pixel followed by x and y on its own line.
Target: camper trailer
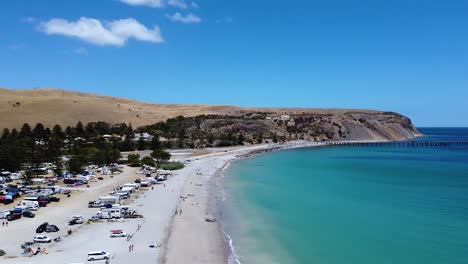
pixel 109 200
pixel 110 213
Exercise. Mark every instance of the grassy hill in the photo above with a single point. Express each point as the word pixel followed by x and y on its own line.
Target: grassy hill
pixel 55 106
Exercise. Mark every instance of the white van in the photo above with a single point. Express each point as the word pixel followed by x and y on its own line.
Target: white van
pixel 32 204
pixel 4 214
pixel 134 185
pixel 98 255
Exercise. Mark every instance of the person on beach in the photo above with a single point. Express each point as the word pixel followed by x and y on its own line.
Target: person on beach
pixel 180 212
pixel 129 248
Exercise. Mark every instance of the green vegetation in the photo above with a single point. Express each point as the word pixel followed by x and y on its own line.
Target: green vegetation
pixel 160 156
pixel 101 143
pixel 172 166
pixel 148 161
pixel 134 160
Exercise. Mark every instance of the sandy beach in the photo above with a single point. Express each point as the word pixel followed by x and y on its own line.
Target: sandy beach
pixel 174 217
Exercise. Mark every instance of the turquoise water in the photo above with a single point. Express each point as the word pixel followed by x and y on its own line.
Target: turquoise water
pixel 361 205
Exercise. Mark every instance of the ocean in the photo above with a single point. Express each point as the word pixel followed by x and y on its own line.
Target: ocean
pixel 363 205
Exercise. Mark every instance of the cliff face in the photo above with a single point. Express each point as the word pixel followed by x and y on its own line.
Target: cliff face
pixel 260 127
pixel 350 126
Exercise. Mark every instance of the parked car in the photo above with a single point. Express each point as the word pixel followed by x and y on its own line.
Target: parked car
pixel 14 216
pixel 76 220
pixel 52 229
pixel 42 239
pixel 28 214
pixel 54 199
pixel 98 255
pixel 27 244
pixel 118 233
pixel 41 228
pixel 94 204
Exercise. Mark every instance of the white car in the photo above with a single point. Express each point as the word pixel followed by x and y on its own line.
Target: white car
pixel 42 239
pixel 118 234
pixel 98 255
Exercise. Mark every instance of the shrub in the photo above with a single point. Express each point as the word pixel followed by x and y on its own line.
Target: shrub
pixel 172 166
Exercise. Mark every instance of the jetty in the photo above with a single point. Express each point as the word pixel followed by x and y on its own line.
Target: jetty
pixel 397 143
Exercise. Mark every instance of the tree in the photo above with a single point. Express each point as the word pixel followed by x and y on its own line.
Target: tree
pixel 148 161
pixel 39 132
pixel 57 132
pixel 155 142
pixel 160 156
pixel 79 130
pixel 275 138
pixel 240 139
pixel 181 138
pixel 76 164
pixel 141 144
pixel 25 131
pixel 5 134
pixel 134 160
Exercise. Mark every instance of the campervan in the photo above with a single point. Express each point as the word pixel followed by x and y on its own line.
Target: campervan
pixel 110 213
pixel 34 205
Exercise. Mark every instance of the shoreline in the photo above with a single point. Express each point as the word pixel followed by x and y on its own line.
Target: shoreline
pixel 213 244
pixel 190 228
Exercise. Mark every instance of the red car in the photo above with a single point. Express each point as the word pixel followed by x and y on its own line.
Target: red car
pixel 14 216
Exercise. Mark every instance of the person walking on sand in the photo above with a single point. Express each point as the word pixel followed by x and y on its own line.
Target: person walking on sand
pixel 180 212
pixel 129 248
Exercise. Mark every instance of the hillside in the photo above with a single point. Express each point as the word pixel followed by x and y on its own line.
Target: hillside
pixel 53 106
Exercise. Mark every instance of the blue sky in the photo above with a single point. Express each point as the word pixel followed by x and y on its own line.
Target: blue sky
pixel 406 56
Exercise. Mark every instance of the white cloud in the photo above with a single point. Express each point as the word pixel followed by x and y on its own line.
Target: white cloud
pixel 178 3
pixel 114 33
pixel 188 19
pixel 160 3
pixel 150 3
